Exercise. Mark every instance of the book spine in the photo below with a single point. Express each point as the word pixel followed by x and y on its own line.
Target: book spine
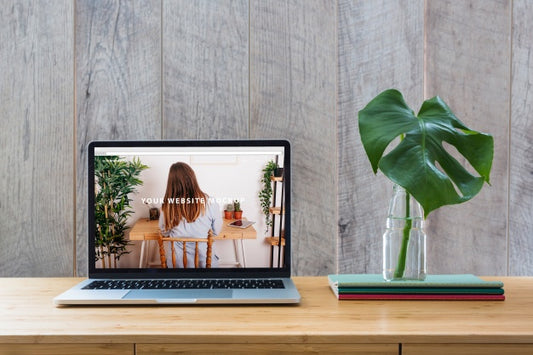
pixel 421 297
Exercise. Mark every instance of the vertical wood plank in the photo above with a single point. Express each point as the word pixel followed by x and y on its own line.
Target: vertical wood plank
pixel 36 110
pixel 292 95
pixel 380 46
pixel 205 66
pixel 118 82
pixel 521 162
pixel 468 65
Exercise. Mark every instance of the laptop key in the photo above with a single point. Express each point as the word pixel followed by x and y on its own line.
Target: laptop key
pixel 185 284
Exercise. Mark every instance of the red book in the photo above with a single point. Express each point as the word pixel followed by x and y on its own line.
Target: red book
pixel 445 297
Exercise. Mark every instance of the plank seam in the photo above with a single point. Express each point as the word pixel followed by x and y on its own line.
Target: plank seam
pixel 509 137
pixel 74 145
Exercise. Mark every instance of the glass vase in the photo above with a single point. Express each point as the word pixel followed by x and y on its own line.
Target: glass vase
pixel 404 241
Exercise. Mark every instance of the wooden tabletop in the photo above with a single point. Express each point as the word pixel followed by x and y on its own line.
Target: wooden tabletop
pixel 145 229
pixel 27 315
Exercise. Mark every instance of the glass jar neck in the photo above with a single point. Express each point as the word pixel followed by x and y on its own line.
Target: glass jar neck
pixel 403 205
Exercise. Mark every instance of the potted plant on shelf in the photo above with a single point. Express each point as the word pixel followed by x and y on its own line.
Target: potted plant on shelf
pixel 278 172
pixel 115 180
pixel 425 175
pixel 237 212
pixel 228 212
pixel 265 195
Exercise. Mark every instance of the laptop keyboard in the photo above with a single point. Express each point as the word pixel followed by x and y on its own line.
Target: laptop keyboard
pixel 185 284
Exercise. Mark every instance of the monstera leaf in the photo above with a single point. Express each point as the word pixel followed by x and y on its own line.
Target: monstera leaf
pixel 412 164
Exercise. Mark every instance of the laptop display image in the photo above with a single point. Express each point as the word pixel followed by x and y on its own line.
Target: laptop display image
pixel 187 222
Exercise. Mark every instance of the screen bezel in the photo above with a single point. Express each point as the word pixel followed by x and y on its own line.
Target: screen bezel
pixel 141 273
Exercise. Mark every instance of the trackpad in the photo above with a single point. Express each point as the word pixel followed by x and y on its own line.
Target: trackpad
pixel 177 294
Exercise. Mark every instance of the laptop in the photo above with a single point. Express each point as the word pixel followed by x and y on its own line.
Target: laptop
pixel 136 257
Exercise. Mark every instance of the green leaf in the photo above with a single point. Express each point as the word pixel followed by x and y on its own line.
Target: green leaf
pixel 116 179
pixel 420 163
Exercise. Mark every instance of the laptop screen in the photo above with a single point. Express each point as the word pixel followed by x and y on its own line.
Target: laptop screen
pixel 189 208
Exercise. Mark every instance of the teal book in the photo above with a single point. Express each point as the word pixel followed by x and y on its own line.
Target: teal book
pixel 432 281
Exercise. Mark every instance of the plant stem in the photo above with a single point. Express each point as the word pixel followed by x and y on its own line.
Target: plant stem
pixel 400 266
pixel 102 256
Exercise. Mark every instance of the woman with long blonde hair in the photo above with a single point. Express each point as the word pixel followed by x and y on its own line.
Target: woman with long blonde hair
pixel 188 212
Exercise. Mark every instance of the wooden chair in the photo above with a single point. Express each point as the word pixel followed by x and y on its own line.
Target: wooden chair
pixel 163 257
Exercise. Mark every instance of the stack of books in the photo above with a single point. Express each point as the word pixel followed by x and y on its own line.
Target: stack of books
pixel 434 287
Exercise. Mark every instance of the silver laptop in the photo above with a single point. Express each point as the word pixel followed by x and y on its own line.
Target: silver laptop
pixel 187 222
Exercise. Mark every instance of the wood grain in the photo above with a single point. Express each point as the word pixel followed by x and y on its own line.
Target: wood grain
pixel 380 46
pixel 118 91
pixel 319 319
pixel 467 349
pixel 205 67
pixel 282 69
pixel 36 110
pixel 258 349
pixel 292 96
pixel 521 155
pixel 67 349
pixel 468 61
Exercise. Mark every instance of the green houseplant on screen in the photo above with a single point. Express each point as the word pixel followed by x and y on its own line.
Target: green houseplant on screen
pixel 265 194
pixel 425 174
pixel 115 179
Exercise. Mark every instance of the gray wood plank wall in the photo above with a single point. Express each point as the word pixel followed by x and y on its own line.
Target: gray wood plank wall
pixel 292 96
pixel 205 67
pixel 118 84
pixel 521 150
pixel 36 139
pixel 380 46
pixel 76 70
pixel 468 63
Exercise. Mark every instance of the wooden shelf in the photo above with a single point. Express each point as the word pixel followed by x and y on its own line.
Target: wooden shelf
pixel 274 241
pixel 277 213
pixel 276 210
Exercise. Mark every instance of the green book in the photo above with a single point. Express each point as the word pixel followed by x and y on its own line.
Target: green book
pixel 432 281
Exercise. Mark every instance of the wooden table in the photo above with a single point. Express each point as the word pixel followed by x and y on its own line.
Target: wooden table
pixel 145 230
pixel 30 323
